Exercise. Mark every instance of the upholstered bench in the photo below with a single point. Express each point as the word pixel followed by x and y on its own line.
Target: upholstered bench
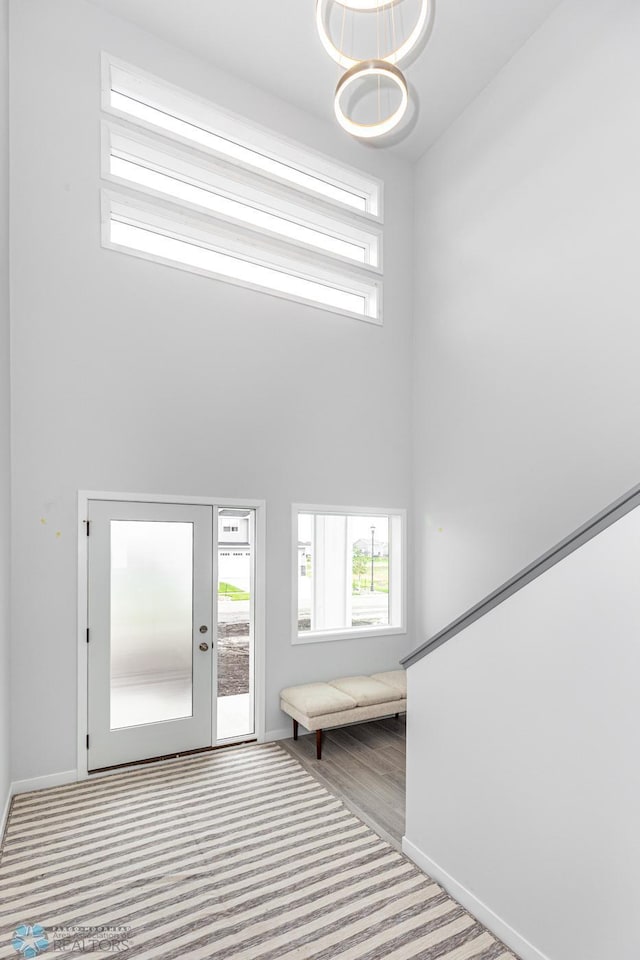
pixel 320 706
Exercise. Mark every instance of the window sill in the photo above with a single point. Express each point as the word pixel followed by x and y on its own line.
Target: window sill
pixel 322 636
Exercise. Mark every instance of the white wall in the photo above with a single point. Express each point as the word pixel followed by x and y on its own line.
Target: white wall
pixel 527 300
pixel 522 790
pixel 522 776
pixel 123 377
pixel 5 473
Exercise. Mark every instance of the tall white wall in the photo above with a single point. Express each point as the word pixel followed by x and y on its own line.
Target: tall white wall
pixel 124 380
pixel 527 342
pixel 5 470
pixel 523 786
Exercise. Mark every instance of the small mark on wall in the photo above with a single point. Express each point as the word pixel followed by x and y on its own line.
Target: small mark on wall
pixel 44 522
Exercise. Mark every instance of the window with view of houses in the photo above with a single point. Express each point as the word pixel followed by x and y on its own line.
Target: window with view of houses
pixel 349 573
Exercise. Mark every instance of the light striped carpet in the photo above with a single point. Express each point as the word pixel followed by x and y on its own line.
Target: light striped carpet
pixel 238 854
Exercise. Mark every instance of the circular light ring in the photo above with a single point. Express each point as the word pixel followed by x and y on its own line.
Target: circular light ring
pixel 369 5
pixel 394 57
pixel 371 68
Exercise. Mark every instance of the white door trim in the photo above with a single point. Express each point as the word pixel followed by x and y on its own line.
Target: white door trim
pixel 259 600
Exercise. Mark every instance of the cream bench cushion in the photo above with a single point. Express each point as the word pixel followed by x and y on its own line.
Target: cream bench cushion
pixel 313 699
pixel 365 690
pixel 394 678
pixel 318 706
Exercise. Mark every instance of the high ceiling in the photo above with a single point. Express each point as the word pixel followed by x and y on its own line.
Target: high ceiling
pixel 273 44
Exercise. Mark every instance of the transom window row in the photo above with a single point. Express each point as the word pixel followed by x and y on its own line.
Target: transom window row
pixel 252 208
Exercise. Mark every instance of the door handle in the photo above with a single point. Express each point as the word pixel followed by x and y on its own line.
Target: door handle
pixel 204 647
pixel 204 628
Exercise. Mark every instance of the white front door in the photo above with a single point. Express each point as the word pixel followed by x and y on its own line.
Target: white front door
pixel 151 630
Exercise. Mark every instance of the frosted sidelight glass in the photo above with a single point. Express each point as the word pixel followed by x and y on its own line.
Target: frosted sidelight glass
pixel 151 621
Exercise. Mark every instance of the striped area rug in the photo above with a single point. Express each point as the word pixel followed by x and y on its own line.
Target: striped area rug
pixel 238 854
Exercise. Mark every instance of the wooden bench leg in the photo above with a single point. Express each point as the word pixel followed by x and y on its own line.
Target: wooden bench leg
pixel 295 729
pixel 318 744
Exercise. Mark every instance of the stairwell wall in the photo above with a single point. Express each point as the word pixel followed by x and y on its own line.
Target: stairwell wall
pixel 521 795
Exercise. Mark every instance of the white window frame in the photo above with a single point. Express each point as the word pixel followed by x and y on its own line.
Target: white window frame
pixel 189 166
pixel 239 161
pixel 139 84
pixel 397 593
pixel 163 219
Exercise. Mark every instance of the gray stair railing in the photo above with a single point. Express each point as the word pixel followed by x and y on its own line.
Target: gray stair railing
pixel 629 501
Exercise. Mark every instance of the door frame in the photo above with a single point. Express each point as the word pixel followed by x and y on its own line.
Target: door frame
pixel 259 604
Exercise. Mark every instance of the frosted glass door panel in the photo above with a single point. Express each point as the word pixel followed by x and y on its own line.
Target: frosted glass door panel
pixel 151 622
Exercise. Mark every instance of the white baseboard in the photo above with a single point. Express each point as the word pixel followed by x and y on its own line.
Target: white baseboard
pixel 4 815
pixel 282 734
pixel 36 783
pixel 510 937
pixel 40 783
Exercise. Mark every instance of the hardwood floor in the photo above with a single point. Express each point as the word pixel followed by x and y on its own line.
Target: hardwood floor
pixel 363 765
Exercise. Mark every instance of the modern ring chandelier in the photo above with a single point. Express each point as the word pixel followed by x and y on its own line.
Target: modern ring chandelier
pixel 383 65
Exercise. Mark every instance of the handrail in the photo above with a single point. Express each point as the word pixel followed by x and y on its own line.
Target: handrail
pixel 629 501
